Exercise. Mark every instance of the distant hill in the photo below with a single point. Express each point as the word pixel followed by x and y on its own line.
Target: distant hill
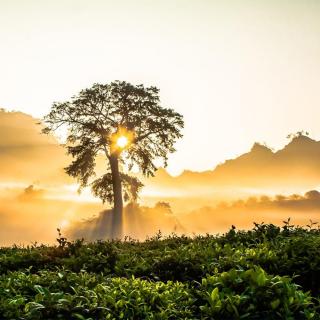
pixel 297 164
pixel 26 155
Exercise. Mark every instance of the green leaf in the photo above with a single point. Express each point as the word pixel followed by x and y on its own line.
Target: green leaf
pixel 215 294
pixel 79 316
pixel 39 289
pixel 261 278
pixel 275 303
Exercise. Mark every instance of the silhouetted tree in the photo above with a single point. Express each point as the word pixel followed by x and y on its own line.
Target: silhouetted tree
pixel 97 119
pixel 297 134
pixel 164 207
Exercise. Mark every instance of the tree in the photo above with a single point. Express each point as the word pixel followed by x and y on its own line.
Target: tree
pixel 126 124
pixel 163 207
pixel 298 134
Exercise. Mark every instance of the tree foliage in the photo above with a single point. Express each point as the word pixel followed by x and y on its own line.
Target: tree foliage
pixel 97 114
pixel 102 187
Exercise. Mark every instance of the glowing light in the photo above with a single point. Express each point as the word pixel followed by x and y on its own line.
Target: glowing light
pixel 122 142
pixel 64 223
pixel 121 139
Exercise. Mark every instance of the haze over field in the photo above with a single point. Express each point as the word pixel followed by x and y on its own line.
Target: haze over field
pixel 260 185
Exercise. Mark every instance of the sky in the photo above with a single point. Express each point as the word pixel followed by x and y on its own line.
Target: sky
pixel 239 71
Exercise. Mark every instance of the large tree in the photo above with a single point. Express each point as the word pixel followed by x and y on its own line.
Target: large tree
pixel 127 125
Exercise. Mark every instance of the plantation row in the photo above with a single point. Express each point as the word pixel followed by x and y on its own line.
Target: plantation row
pixel 231 295
pixel 265 273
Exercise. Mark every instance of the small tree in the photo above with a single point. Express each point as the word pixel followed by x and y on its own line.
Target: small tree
pixel 127 125
pixel 298 134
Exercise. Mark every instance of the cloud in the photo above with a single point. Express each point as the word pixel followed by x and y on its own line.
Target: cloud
pixel 30 214
pixel 243 212
pixel 309 201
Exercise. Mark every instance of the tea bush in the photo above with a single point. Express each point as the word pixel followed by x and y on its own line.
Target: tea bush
pixel 268 272
pixel 236 294
pixel 68 295
pixel 253 294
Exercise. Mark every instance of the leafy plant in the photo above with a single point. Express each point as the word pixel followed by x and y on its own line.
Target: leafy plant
pixel 268 272
pixel 253 294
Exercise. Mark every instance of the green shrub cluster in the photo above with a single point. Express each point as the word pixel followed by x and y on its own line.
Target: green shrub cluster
pixel 236 294
pixel 265 273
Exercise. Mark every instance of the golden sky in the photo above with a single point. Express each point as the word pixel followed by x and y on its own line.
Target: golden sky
pixel 238 71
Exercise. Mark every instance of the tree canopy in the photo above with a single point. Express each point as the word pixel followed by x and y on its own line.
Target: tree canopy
pixel 97 116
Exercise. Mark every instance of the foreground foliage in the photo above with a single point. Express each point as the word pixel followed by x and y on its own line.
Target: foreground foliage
pixel 265 273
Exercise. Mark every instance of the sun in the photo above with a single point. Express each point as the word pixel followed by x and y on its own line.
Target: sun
pixel 122 142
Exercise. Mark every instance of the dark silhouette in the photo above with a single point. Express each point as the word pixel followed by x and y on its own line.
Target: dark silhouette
pixel 124 123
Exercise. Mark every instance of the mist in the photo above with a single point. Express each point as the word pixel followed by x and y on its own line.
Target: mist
pixel 37 197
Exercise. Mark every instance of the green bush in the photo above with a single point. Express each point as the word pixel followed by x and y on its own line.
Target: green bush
pixel 253 294
pixel 236 294
pixel 249 274
pixel 67 295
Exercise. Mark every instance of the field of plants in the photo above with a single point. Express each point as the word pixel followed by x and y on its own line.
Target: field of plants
pixel 268 272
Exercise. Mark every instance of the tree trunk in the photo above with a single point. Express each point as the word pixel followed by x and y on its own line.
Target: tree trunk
pixel 117 218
